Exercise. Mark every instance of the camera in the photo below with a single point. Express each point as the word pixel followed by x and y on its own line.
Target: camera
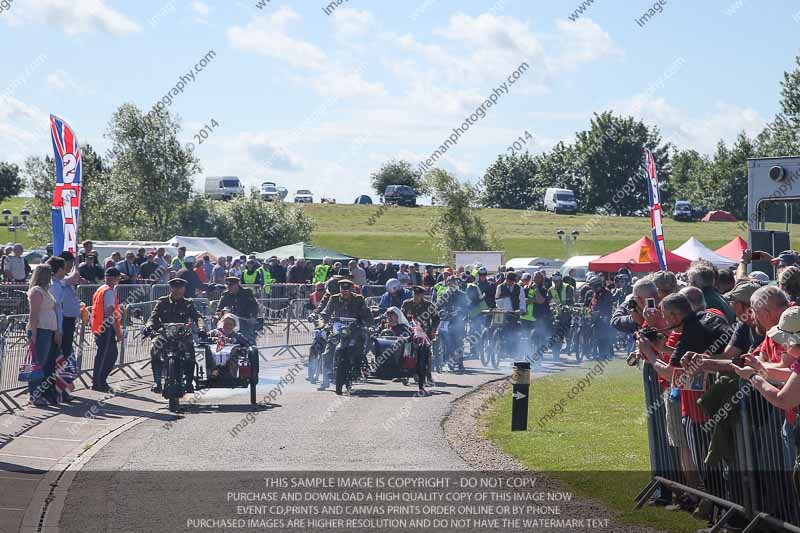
pixel 650 334
pixel 632 305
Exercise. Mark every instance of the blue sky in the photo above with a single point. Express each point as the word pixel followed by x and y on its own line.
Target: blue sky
pixel 319 101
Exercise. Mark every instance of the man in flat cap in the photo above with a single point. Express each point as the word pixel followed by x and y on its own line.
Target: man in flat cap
pixel 173 308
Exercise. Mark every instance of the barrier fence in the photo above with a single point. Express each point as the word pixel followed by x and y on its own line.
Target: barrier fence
pixel 281 326
pixel 751 483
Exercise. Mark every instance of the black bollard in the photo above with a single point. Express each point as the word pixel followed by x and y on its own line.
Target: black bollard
pixel 521 384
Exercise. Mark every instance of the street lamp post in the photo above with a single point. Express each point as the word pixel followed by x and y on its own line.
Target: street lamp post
pixel 14 224
pixel 570 241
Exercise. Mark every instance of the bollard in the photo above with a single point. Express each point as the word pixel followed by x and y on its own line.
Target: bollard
pixel 521 383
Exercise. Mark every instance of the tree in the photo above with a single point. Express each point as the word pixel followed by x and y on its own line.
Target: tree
pixel 10 181
pixel 457 225
pixel 510 183
pixel 610 162
pixel 253 225
pixel 151 169
pixel 397 172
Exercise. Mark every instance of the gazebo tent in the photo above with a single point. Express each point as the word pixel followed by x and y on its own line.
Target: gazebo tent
pixel 733 250
pixel 199 245
pixel 694 249
pixel 638 257
pixel 718 216
pixel 304 250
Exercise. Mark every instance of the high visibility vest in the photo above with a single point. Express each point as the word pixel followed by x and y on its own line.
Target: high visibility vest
pixel 99 311
pixel 559 298
pixel 321 273
pixel 440 288
pixel 481 306
pixel 267 280
pixel 181 262
pixel 248 278
pixel 530 293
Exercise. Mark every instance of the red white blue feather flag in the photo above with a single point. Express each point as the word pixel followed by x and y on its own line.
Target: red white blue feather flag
pixel 656 214
pixel 67 195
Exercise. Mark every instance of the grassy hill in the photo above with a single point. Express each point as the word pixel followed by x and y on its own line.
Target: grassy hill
pixel 402 232
pixel 15 205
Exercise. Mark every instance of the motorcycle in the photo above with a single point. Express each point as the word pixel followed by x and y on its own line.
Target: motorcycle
pixel 347 352
pixel 317 350
pixel 174 359
pixel 451 344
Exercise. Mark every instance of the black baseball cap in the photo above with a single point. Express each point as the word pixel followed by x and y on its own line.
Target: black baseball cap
pixel 113 272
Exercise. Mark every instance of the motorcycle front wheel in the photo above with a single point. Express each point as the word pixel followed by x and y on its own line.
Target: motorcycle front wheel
pixel 486 349
pixel 173 384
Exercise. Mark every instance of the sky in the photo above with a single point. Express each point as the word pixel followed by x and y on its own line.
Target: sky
pixel 317 95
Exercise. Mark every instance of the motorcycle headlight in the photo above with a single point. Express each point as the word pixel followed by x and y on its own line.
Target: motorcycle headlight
pixel 345 332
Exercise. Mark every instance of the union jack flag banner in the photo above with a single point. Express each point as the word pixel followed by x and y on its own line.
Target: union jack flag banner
pixel 655 209
pixel 67 195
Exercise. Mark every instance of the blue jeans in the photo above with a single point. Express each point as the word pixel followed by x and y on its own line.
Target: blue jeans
pixel 789 446
pixel 38 389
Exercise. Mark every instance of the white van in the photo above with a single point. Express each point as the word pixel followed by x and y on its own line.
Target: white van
pixel 560 201
pixel 224 187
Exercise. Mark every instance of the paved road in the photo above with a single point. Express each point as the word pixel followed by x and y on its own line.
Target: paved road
pixel 381 426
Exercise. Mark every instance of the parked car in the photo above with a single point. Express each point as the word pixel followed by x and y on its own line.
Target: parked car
pixel 400 195
pixel 224 187
pixel 303 196
pixel 363 200
pixel 269 192
pixel 560 201
pixel 683 211
pixel 327 200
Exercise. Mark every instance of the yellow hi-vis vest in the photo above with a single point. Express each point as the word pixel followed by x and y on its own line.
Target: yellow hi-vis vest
pixel 321 273
pixel 530 294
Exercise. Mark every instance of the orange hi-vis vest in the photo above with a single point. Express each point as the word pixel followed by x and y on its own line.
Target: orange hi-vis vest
pixel 99 311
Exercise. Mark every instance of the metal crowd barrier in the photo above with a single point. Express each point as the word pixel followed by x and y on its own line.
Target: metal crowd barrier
pixel 13 299
pixel 281 326
pixel 755 483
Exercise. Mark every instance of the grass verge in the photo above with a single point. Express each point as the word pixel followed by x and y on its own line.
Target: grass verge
pixel 597 445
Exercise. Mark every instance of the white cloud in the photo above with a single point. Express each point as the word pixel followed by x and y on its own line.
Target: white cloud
pixel 350 21
pixel 690 130
pixel 23 126
pixel 266 34
pixel 582 41
pixel 201 10
pixel 268 154
pixel 61 80
pixel 339 81
pixel 76 16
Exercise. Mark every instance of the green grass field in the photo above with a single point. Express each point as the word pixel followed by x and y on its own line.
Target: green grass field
pixel 597 445
pixel 15 205
pixel 402 232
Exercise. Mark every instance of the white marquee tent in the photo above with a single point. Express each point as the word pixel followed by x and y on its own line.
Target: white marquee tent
pixel 694 249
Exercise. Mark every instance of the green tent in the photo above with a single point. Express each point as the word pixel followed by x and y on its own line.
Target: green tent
pixel 307 251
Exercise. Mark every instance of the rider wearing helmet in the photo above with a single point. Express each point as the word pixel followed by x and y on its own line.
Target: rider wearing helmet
pixel 441 287
pixel 452 305
pixel 394 296
pixel 562 298
pixel 487 287
pixel 601 302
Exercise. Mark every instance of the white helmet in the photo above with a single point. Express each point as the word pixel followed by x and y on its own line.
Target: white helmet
pixel 392 285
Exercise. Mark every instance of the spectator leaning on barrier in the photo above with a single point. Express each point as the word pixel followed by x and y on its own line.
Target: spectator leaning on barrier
pixel 14 267
pixel 128 269
pixel 42 329
pixel 771 358
pixel 629 317
pixel 218 273
pixel 786 334
pixel 358 273
pixel 89 269
pixel 87 247
pixel 178 260
pixel 149 270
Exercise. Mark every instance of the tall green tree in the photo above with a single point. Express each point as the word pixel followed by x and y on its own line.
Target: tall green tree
pixel 610 162
pixel 457 224
pixel 10 181
pixel 510 183
pixel 250 224
pixel 397 172
pixel 151 168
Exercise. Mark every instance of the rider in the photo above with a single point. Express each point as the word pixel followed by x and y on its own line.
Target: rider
pixel 242 303
pixel 420 310
pixel 476 305
pixel 562 298
pixel 441 287
pixel 227 332
pixel 487 287
pixel 452 306
pixel 345 304
pixel 394 296
pixel 170 309
pixel 599 299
